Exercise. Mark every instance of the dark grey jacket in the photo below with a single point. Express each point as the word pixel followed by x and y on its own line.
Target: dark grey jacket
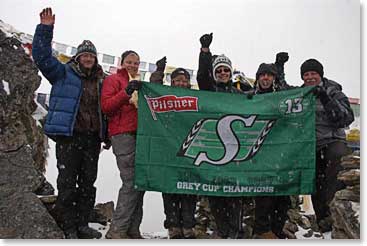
pixel 332 118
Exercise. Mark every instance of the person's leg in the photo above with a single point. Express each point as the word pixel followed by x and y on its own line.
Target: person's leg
pixel 319 198
pixel 124 149
pixel 279 215
pixel 86 189
pixel 171 204
pixel 235 208
pixel 219 211
pixel 263 208
pixel 188 206
pixel 330 161
pixel 333 154
pixel 68 164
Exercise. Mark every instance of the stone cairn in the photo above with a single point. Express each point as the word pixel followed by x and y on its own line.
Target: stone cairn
pixel 345 206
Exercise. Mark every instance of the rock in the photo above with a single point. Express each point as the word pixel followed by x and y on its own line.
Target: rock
pixel 17 126
pixel 18 172
pixel 304 223
pixel 345 220
pixel 347 194
pixel 289 234
pixel 350 161
pixel 312 219
pixel 102 213
pixel 294 215
pixel 45 189
pixel 308 234
pixel 22 148
pixel 23 216
pixel 291 227
pixel 48 199
pixel 350 177
pixel 7 233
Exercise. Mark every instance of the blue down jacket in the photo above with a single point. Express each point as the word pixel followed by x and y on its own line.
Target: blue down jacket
pixel 66 87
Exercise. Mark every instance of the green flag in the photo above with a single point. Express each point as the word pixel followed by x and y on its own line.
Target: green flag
pixel 221 144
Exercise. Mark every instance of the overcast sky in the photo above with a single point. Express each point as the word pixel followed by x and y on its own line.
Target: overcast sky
pixel 249 32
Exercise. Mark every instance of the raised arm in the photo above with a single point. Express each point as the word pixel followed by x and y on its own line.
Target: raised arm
pixel 204 75
pixel 50 67
pixel 158 75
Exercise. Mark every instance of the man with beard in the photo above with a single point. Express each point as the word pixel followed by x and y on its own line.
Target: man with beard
pixel 76 124
pixel 270 211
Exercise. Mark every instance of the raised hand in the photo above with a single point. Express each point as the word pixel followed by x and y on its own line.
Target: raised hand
pixel 161 64
pixel 47 18
pixel 206 40
pixel 281 58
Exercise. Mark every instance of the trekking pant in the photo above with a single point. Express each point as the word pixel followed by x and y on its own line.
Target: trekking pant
pixel 179 210
pixel 327 168
pixel 271 214
pixel 227 212
pixel 128 214
pixel 77 162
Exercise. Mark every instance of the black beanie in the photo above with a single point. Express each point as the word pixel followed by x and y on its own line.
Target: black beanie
pixel 126 53
pixel 86 47
pixel 266 68
pixel 180 71
pixel 312 65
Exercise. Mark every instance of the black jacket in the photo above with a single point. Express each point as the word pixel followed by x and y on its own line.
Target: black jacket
pixel 205 78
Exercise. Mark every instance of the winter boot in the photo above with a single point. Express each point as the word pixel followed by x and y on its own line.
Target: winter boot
pixel 175 233
pixel 265 235
pixel 188 233
pixel 325 224
pixel 71 234
pixel 134 234
pixel 116 235
pixel 85 232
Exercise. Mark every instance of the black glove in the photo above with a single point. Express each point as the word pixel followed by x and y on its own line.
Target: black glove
pixel 250 94
pixel 320 93
pixel 133 85
pixel 281 58
pixel 161 64
pixel 206 40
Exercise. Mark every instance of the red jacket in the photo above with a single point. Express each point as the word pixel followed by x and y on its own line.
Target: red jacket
pixel 122 116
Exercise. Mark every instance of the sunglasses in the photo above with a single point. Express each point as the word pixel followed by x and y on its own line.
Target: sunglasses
pixel 226 70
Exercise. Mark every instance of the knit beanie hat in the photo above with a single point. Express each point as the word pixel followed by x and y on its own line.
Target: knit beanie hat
pixel 221 60
pixel 312 65
pixel 86 47
pixel 180 71
pixel 266 68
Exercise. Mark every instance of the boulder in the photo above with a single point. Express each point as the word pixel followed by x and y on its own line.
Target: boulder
pixel 23 216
